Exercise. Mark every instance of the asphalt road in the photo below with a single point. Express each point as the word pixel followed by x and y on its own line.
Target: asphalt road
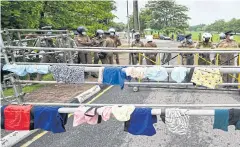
pixel 111 134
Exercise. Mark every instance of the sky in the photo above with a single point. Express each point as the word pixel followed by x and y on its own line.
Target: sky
pixel 200 11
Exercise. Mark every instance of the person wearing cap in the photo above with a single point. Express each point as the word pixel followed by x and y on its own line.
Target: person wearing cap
pixel 117 42
pixel 187 58
pixel 109 42
pixel 204 59
pixel 152 56
pixel 135 56
pixel 228 59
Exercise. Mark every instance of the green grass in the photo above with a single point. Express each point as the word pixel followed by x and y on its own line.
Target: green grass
pixel 30 88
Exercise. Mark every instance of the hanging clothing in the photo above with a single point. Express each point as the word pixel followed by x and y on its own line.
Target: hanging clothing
pixel 136 72
pixel 19 70
pixel 105 112
pixel 41 69
pixel 122 113
pixel 156 73
pixel 86 115
pixel 221 118
pixel 22 70
pixel 2 116
pixel 114 76
pixel 68 74
pixel 141 122
pixel 178 74
pixel 177 121
pixel 17 117
pixel 234 118
pixel 48 118
pixel 207 77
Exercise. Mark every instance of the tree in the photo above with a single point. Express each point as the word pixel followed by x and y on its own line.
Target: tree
pixel 168 14
pixel 234 25
pixel 20 14
pixel 119 27
pixel 69 14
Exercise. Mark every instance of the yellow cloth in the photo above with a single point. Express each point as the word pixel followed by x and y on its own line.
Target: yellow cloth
pixel 207 77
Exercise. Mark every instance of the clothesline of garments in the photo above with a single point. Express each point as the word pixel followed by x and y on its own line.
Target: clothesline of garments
pixel 208 77
pixel 137 121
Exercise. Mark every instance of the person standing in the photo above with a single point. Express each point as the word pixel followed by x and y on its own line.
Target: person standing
pixel 82 40
pixel 135 56
pixel 109 42
pixel 117 42
pixel 204 59
pixel 227 59
pixel 151 56
pixel 187 58
pixel 98 42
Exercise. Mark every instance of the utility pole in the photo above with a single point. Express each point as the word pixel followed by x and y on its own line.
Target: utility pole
pixel 128 33
pixel 135 16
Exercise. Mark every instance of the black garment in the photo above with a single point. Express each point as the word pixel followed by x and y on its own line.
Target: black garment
pixel 234 118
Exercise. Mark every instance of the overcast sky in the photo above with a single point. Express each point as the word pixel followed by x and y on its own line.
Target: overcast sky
pixel 200 11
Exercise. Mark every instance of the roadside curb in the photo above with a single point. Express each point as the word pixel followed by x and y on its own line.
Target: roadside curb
pixel 17 136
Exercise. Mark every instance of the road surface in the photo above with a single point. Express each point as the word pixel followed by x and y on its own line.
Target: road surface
pixel 111 134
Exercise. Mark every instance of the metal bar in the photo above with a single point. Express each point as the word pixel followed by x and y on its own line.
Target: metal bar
pixel 169 70
pixel 136 105
pixel 15 88
pixel 116 65
pixel 195 112
pixel 35 30
pixel 184 88
pixel 126 83
pixel 30 39
pixel 130 50
pixel 27 54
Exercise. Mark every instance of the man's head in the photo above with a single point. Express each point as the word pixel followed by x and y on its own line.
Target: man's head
pixel 149 39
pixel 99 33
pixel 106 34
pixel 81 30
pixel 229 35
pixel 188 38
pixel 137 36
pixel 112 32
pixel 206 37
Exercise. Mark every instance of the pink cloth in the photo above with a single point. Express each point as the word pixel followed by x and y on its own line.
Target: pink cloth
pixel 105 112
pixel 80 117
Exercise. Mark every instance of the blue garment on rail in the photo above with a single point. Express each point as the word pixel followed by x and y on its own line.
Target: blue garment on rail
pixel 156 73
pixel 141 122
pixel 221 118
pixel 179 74
pixel 41 69
pixel 20 70
pixel 114 76
pixel 48 118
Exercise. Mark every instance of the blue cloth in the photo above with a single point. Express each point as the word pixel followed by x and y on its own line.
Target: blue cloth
pixel 22 70
pixel 48 118
pixel 141 122
pixel 178 74
pixel 221 118
pixel 156 73
pixel 41 69
pixel 17 69
pixel 114 76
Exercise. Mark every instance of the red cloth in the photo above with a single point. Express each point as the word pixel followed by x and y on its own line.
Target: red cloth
pixel 17 117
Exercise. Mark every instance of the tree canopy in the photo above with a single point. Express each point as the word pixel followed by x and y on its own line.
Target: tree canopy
pixel 219 26
pixel 68 14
